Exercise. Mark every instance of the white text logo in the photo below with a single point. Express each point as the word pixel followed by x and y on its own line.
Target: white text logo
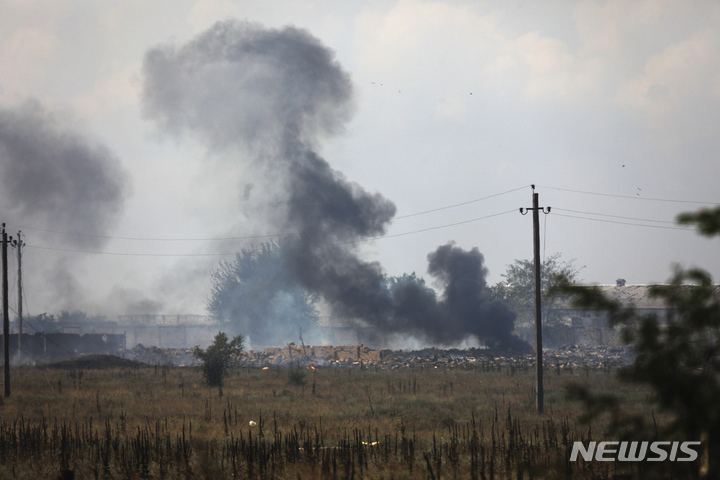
pixel 635 451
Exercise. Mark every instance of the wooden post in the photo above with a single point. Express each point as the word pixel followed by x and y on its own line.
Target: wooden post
pixel 20 295
pixel 6 315
pixel 538 307
pixel 538 298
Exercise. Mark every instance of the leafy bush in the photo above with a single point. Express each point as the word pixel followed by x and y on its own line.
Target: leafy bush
pixel 219 357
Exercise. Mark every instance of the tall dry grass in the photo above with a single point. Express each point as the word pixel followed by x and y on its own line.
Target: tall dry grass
pixel 163 422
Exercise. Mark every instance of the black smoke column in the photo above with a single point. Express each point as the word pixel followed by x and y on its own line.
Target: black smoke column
pixel 465 308
pixel 466 303
pixel 270 96
pixel 277 93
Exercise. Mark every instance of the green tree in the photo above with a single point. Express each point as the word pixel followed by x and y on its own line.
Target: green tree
pixel 219 357
pixel 255 295
pixel 518 288
pixel 677 355
pixel 392 283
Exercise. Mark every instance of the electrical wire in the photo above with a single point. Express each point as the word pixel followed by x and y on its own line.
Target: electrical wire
pixel 623 223
pixel 429 228
pixel 616 216
pixel 158 239
pixel 460 204
pixel 221 254
pixel 126 254
pixel 671 225
pixel 242 237
pixel 628 196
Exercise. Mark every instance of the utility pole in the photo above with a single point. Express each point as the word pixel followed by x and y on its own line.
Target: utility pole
pixel 538 298
pixel 6 316
pixel 19 243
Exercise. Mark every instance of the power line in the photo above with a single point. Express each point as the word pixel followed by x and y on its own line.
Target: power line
pixel 240 237
pixel 625 223
pixel 381 237
pixel 126 254
pixel 617 216
pixel 628 196
pixel 430 228
pixel 248 237
pixel 221 254
pixel 460 204
pixel 157 239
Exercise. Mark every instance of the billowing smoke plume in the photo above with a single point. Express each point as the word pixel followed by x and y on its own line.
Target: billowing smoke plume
pixel 277 93
pixel 56 178
pixel 466 306
pixel 239 84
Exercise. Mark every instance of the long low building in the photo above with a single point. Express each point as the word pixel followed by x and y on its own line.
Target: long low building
pixel 163 330
pixel 590 328
pixel 168 331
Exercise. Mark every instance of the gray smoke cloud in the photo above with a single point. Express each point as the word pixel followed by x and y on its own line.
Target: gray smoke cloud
pixel 239 84
pixel 278 93
pixel 57 178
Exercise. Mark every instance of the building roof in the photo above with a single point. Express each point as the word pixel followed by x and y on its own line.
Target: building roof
pixel 639 295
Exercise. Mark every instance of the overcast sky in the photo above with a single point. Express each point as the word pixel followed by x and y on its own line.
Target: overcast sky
pixel 611 108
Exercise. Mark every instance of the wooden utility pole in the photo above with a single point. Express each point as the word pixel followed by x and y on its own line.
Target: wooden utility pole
pixel 539 390
pixel 5 313
pixel 19 245
pixel 538 307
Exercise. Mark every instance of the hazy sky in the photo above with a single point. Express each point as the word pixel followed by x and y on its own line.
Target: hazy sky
pixel 612 108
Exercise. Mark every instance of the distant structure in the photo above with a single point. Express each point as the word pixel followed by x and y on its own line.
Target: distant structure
pixel 590 328
pixel 167 331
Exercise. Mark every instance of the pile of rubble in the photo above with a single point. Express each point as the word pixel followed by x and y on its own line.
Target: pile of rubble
pixel 358 356
pixel 344 355
pixel 574 357
pixel 361 356
pixel 152 355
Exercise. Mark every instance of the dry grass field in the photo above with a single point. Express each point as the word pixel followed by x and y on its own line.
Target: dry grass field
pixel 163 422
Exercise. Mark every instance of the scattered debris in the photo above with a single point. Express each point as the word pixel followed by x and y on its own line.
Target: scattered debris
pixel 568 357
pixel 360 356
pixel 178 357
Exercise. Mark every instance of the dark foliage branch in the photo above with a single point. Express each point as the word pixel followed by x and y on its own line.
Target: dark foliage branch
pixel 706 220
pixel 677 356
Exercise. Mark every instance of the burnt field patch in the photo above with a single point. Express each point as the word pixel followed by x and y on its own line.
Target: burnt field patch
pixel 94 361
